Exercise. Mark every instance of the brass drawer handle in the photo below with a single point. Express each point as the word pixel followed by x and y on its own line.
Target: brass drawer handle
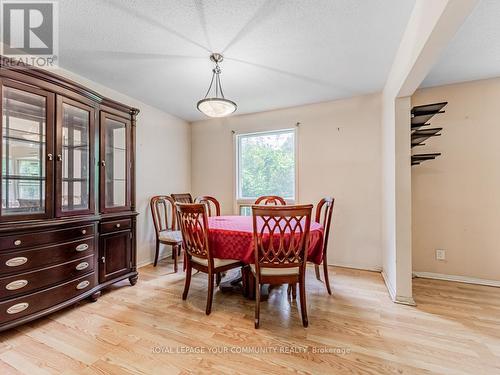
pixel 84 231
pixel 118 225
pixel 17 308
pixel 83 284
pixel 18 284
pixel 81 266
pixel 82 247
pixel 15 262
pixel 17 242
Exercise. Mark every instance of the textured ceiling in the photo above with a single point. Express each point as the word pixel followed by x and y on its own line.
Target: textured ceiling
pixel 277 53
pixel 474 52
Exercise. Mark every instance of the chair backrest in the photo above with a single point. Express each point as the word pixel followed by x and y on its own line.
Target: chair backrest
pixel 193 223
pixel 281 235
pixel 324 213
pixel 267 200
pixel 182 198
pixel 209 201
pixel 163 211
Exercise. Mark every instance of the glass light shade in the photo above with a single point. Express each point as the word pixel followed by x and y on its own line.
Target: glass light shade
pixel 216 107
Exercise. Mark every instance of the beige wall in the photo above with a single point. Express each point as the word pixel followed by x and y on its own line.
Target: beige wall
pixel 163 160
pixel 456 198
pixel 339 155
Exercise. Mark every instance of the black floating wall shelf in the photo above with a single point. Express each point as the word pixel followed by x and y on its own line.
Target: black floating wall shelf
pixel 418 158
pixel 418 136
pixel 428 108
pixel 420 120
pixel 420 115
pixel 418 126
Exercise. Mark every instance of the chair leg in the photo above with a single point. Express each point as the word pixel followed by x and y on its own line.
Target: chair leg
pixel 188 280
pixel 316 270
pixel 218 278
pixel 327 281
pixel 185 259
pixel 157 253
pixel 303 307
pixel 174 252
pixel 210 293
pixel 257 303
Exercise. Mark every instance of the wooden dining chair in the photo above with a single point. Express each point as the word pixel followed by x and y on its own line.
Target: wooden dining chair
pixel 163 211
pixel 193 222
pixel 182 198
pixel 267 200
pixel 281 239
pixel 324 213
pixel 212 204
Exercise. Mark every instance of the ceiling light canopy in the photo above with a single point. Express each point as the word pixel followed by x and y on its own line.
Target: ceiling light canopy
pixel 218 105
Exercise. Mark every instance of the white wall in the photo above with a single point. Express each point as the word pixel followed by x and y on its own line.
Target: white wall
pixel 431 26
pixel 456 200
pixel 163 159
pixel 396 198
pixel 339 155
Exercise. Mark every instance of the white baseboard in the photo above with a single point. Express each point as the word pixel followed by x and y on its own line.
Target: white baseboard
pixel 388 285
pixel 402 300
pixel 336 264
pixel 147 262
pixel 363 267
pixel 392 293
pixel 457 278
pixel 144 263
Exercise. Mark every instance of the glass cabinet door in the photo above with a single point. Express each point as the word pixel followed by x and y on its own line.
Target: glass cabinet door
pixel 74 160
pixel 115 163
pixel 27 158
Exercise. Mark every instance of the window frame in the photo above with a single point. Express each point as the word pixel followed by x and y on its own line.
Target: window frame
pixel 246 202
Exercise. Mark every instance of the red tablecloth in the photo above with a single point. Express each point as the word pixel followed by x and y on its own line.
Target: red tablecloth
pixel 231 237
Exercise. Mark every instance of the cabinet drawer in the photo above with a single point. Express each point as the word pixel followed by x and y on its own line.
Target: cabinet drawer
pixel 25 240
pixel 115 225
pixel 16 308
pixel 44 256
pixel 25 282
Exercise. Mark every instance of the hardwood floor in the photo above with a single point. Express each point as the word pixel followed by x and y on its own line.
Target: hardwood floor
pixel 455 329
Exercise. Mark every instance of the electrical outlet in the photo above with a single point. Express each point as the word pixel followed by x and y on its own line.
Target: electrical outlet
pixel 440 254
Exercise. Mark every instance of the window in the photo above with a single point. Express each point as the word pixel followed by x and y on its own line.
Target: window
pixel 266 165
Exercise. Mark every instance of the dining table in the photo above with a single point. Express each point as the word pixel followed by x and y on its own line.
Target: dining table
pixel 231 237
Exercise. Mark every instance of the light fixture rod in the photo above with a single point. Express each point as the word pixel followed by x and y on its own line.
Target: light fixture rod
pixel 216 76
pixel 210 87
pixel 216 81
pixel 220 86
pixel 218 105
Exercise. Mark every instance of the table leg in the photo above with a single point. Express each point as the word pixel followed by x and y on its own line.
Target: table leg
pixel 231 282
pixel 243 282
pixel 248 281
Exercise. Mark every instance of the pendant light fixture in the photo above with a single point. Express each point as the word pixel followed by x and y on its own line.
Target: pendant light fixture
pixel 216 106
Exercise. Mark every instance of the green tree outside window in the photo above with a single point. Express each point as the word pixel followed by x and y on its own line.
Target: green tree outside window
pixel 267 165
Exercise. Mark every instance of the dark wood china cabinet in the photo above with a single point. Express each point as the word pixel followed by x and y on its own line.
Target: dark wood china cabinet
pixel 67 213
